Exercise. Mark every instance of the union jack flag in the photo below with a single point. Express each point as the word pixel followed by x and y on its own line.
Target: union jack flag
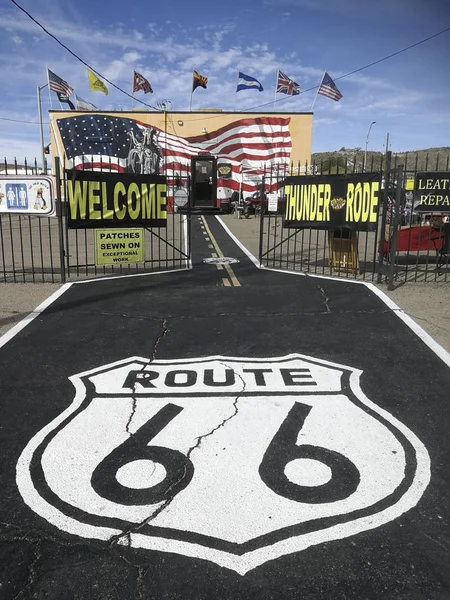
pixel 140 83
pixel 285 85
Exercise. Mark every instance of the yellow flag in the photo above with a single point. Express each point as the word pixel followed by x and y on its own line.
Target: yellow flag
pixel 96 84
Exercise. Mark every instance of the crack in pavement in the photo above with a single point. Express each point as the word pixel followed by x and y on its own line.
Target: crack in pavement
pixel 325 298
pixel 163 333
pixel 116 539
pixel 32 572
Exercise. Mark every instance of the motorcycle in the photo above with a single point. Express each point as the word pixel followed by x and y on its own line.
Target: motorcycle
pixel 252 206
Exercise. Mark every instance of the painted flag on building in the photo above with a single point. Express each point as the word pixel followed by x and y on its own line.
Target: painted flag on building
pixel 245 82
pixel 140 83
pixel 328 88
pixel 199 81
pixel 56 84
pixel 83 104
pixel 99 141
pixel 96 84
pixel 285 85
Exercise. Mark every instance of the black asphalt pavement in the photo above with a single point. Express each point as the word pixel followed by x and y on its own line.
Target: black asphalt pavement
pixel 203 435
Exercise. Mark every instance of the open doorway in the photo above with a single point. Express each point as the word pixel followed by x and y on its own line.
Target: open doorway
pixel 204 182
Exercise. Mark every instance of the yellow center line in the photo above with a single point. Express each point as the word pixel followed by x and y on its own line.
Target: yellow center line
pixel 219 267
pixel 228 269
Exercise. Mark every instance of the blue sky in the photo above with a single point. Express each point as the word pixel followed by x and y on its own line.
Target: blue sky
pixel 408 95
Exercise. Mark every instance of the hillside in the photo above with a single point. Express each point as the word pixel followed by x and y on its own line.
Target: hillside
pixel 431 159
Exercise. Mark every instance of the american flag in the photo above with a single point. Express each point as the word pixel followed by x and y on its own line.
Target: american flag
pixel 328 88
pixel 56 84
pixel 285 85
pixel 140 83
pixel 95 142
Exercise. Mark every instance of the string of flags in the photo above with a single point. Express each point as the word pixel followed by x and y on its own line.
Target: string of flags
pixel 284 85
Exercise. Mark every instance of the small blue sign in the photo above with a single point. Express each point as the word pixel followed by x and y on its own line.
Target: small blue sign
pixel 16 196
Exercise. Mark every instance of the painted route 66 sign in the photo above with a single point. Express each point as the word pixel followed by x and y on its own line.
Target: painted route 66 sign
pixel 236 461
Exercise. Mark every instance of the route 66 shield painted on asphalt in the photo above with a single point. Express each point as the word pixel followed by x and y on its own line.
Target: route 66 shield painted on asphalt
pixel 233 460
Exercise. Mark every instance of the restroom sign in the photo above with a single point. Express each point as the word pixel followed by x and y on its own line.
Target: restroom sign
pixel 238 461
pixel 119 246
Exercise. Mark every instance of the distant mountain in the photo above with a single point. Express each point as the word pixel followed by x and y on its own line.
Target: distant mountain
pixel 429 159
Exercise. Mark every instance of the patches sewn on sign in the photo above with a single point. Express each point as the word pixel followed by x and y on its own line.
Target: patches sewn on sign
pixel 233 460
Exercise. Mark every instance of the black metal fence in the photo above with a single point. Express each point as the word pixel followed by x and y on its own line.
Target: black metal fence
pixel 43 249
pixel 404 245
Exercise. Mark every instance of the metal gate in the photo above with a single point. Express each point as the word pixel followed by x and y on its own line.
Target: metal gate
pixel 43 249
pixel 403 245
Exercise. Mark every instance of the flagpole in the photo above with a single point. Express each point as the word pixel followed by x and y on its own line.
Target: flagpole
pixel 275 95
pixel 49 92
pixel 317 92
pixel 192 91
pixel 235 91
pixel 132 92
pixel 89 82
pixel 44 162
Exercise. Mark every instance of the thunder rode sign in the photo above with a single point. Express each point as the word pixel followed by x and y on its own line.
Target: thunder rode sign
pixel 115 199
pixel 332 201
pixel 238 461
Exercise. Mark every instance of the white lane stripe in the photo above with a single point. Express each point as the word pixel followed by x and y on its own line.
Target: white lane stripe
pixel 254 260
pixel 15 329
pixel 409 321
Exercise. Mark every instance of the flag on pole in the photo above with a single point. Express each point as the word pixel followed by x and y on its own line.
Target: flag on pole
pixel 285 85
pixel 199 81
pixel 56 84
pixel 96 84
pixel 83 104
pixel 328 88
pixel 140 83
pixel 64 99
pixel 245 82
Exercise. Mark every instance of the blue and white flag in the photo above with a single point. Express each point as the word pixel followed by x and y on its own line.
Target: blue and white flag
pixel 245 82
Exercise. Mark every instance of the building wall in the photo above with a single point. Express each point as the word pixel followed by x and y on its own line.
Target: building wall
pixel 194 122
pixel 246 142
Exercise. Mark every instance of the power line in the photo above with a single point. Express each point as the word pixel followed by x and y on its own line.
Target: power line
pixel 206 118
pixel 78 58
pixel 272 102
pixel 20 121
pixel 375 62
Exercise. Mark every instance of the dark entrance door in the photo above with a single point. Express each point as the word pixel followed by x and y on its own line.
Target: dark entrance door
pixel 204 182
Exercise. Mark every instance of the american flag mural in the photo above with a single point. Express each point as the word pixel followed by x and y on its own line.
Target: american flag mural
pixel 250 145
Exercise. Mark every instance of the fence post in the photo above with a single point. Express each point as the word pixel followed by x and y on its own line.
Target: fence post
pixel 387 176
pixel 261 218
pixel 59 213
pixel 398 197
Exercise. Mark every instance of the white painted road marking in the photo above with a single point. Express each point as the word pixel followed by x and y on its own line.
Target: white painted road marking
pixel 262 457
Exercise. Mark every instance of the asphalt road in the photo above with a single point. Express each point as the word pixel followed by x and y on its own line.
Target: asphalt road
pixel 222 433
